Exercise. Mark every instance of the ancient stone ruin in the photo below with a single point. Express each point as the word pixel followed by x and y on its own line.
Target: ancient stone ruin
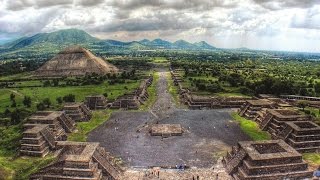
pixel 78 112
pixel 250 108
pixel 265 160
pixel 81 160
pixel 166 130
pixel 96 102
pixel 59 123
pixel 304 136
pixel 273 120
pixel 75 61
pixel 37 140
pixel 135 99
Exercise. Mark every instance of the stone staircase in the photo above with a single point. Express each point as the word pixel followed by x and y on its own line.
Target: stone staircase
pixel 37 141
pixel 244 109
pixel 266 121
pixel 266 160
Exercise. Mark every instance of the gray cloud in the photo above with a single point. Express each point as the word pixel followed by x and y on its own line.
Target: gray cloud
pixel 17 5
pixel 89 2
pixel 162 21
pixel 280 4
pixel 177 4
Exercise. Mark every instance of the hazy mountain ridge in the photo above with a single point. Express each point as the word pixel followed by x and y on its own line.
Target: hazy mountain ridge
pixel 80 37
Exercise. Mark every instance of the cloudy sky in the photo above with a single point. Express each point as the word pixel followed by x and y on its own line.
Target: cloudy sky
pixel 258 24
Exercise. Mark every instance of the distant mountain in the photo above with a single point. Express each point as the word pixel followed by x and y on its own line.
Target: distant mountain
pixel 44 43
pixel 69 36
pixel 204 45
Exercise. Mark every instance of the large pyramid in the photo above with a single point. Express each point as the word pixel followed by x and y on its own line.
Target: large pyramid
pixel 75 61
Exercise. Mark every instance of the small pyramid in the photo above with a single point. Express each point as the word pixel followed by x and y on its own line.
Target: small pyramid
pixel 75 61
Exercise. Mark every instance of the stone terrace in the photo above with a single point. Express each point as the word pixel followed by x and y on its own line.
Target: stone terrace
pixel 96 102
pixel 301 135
pixel 251 107
pixel 265 160
pixel 77 111
pixel 58 122
pixel 81 160
pixel 37 140
pixel 274 119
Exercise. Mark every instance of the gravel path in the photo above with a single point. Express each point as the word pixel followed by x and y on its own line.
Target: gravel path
pixel 208 134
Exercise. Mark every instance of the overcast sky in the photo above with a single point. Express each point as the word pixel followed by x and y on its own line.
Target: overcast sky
pixel 258 24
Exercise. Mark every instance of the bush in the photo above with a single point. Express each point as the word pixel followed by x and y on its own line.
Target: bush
pixel 59 100
pixel 41 106
pixel 69 98
pixel 307 111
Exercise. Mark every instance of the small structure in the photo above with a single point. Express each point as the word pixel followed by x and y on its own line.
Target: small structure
pixel 197 102
pixel 265 160
pixel 274 119
pixel 77 111
pixel 37 140
pixel 58 122
pixel 166 130
pixel 127 101
pixel 304 136
pixel 251 107
pixel 135 99
pixel 96 102
pixel 80 160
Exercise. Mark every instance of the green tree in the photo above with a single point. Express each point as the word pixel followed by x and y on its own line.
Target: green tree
pixel 41 106
pixel 13 104
pixel 47 102
pixel 15 117
pixel 317 87
pixel 27 101
pixel 302 104
pixel 59 100
pixel 12 96
pixel 69 98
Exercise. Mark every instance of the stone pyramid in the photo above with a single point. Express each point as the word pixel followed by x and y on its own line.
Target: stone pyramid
pixel 75 61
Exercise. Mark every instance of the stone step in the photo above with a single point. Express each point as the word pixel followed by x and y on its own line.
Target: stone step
pixel 275 176
pixel 282 168
pixel 308 149
pixel 97 176
pixel 308 137
pixel 41 153
pixel 302 144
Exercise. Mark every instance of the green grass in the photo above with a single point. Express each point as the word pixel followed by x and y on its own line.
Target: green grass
pixel 312 158
pixel 232 95
pixel 40 93
pixel 173 90
pixel 251 128
pixel 152 92
pixel 83 128
pixel 21 167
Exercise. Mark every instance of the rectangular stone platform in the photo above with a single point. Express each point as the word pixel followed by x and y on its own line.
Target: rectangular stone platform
pixel 166 130
pixel 251 107
pixel 304 136
pixel 81 160
pixel 58 122
pixel 37 140
pixel 265 160
pixel 77 111
pixel 96 102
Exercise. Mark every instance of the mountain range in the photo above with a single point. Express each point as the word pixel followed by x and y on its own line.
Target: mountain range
pixel 68 37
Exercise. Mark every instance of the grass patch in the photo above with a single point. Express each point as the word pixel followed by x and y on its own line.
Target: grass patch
pixel 173 90
pixel 37 94
pixel 152 92
pixel 83 128
pixel 312 158
pixel 21 167
pixel 251 128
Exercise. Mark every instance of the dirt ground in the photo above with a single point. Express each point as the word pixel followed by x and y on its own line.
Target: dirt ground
pixel 208 134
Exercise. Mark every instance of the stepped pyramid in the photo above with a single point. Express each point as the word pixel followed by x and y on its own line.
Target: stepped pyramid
pixel 75 61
